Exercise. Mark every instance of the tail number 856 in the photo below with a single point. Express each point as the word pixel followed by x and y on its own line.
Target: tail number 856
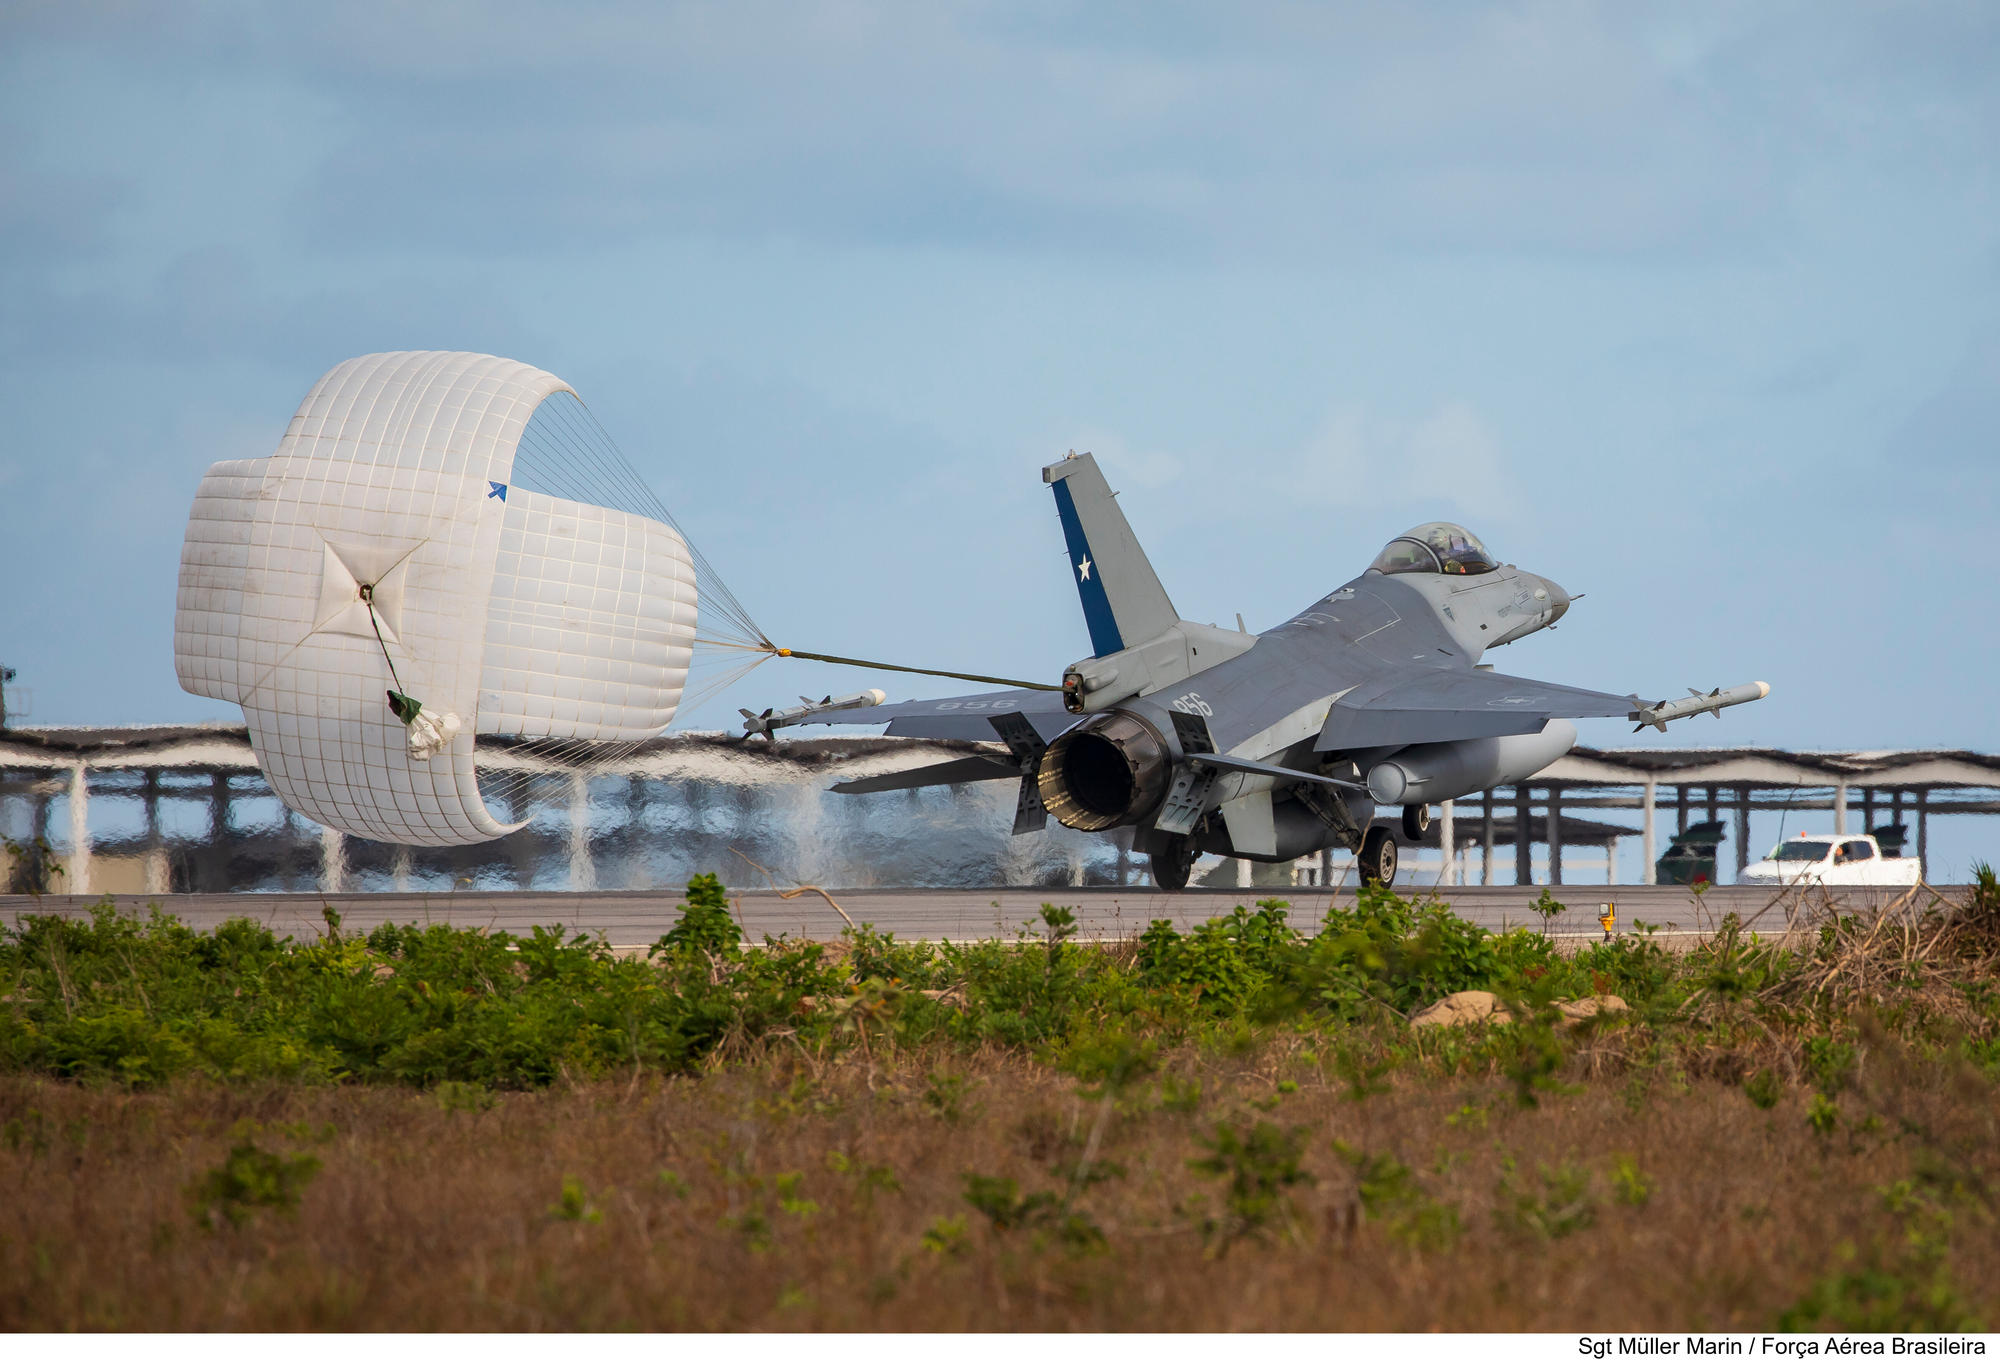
pixel 1192 703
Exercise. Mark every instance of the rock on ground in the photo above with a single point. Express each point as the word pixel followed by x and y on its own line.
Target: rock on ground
pixel 1476 1008
pixel 1463 1008
pixel 1591 1005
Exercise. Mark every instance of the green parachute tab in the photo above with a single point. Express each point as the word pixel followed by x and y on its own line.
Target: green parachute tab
pixel 404 707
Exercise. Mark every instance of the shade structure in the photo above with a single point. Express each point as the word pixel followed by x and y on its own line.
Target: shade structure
pixel 388 545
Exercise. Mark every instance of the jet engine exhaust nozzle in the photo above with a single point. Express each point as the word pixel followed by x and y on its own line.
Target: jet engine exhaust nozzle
pixel 1106 771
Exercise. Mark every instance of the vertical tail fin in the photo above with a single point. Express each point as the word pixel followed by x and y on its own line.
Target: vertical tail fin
pixel 1123 601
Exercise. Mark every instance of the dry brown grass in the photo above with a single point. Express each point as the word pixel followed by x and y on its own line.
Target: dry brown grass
pixel 428 1217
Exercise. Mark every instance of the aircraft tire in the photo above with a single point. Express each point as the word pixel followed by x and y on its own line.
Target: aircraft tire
pixel 1377 860
pixel 1416 821
pixel 1173 863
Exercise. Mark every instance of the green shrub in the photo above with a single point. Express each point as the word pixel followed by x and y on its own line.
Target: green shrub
pixel 1389 1194
pixel 1260 1164
pixel 1629 1184
pixel 1903 1282
pixel 1764 1088
pixel 250 1178
pixel 1560 1205
pixel 1223 963
pixel 141 999
pixel 573 1204
pixel 1007 1208
pixel 706 926
pixel 878 954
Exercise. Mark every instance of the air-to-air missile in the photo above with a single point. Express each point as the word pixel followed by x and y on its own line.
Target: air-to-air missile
pixel 773 718
pixel 1660 714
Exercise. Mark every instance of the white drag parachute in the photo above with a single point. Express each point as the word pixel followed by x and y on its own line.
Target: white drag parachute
pixel 443 546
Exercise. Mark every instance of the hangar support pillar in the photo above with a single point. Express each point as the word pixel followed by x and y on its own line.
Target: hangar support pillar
pixel 1649 835
pixel 159 873
pixel 1742 830
pixel 1556 834
pixel 78 872
pixel 1486 854
pixel 1924 834
pixel 1524 862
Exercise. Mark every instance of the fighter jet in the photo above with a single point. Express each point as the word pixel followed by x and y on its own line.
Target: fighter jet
pixel 1278 744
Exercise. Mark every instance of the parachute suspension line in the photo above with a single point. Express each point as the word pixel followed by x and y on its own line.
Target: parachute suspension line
pixel 576 443
pixel 428 732
pixel 714 683
pixel 374 621
pixel 564 451
pixel 911 670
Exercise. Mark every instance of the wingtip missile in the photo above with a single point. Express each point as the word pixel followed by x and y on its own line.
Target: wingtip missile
pixel 1660 714
pixel 767 722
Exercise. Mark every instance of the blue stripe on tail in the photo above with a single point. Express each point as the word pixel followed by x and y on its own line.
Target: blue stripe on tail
pixel 1104 635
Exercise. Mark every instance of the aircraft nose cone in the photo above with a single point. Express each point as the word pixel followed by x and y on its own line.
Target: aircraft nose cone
pixel 1558 599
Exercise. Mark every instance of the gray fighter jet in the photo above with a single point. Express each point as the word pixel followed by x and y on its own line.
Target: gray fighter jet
pixel 1278 744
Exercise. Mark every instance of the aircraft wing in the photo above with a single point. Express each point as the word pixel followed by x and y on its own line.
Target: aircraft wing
pixel 962 718
pixel 1448 705
pixel 970 770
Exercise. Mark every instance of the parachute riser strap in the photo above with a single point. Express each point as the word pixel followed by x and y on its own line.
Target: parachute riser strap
pixel 910 670
pixel 402 705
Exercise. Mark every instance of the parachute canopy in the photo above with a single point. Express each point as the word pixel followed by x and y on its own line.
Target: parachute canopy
pixel 427 532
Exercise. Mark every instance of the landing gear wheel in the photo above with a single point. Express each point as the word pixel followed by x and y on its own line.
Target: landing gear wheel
pixel 1416 821
pixel 1378 857
pixel 1173 863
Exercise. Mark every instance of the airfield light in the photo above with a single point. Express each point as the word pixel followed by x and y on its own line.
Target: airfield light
pixel 1607 917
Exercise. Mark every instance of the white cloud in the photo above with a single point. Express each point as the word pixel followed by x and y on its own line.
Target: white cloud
pixel 1444 460
pixel 1447 457
pixel 1549 125
pixel 1122 463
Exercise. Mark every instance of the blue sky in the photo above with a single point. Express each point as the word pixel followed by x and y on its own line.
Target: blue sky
pixel 1691 307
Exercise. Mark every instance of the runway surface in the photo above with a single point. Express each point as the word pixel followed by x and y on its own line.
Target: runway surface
pixel 635 919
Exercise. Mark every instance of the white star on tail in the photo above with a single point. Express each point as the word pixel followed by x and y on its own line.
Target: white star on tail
pixel 1083 570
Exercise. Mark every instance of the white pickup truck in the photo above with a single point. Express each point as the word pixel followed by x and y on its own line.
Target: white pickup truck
pixel 1836 861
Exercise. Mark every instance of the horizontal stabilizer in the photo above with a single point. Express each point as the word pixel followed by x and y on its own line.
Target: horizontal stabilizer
pixel 970 770
pixel 960 718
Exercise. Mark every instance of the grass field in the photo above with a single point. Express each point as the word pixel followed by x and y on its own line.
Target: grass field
pixel 1231 1128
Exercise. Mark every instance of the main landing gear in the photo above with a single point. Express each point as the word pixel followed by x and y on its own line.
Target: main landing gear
pixel 1172 863
pixel 1416 821
pixel 1377 860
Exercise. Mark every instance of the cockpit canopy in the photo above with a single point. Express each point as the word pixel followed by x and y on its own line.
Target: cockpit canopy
pixel 1437 547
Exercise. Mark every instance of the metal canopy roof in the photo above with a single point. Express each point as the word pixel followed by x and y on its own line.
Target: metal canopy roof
pixel 1760 768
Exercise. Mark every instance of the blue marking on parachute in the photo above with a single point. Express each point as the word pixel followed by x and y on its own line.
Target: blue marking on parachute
pixel 499 489
pixel 1104 636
